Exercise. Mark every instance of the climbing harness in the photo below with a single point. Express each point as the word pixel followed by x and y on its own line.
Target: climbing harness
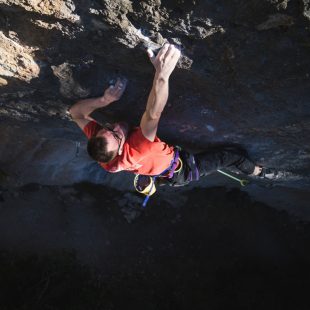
pixel 242 182
pixel 145 184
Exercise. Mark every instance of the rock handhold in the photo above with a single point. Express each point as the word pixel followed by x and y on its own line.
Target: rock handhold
pixel 16 61
pixel 58 8
pixel 69 88
pixel 275 21
pixel 306 9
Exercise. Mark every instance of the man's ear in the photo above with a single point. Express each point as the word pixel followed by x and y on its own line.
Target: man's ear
pixel 120 151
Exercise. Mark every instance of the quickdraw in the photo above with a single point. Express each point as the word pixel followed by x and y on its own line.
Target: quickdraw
pixel 242 182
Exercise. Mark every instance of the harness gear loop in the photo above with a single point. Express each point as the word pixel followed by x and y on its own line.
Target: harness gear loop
pixel 180 166
pixel 144 184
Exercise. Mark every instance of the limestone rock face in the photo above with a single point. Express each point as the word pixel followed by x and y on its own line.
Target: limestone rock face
pixel 306 8
pixel 59 8
pixel 16 60
pixel 244 76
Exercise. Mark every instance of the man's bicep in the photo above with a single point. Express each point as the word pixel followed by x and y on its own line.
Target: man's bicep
pixel 149 126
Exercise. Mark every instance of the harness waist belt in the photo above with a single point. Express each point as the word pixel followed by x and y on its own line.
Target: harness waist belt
pixel 168 173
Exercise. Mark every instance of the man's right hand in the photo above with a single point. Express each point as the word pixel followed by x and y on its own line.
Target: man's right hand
pixel 165 61
pixel 115 92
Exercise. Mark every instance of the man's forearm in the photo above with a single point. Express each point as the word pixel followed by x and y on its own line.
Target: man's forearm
pixel 83 108
pixel 158 97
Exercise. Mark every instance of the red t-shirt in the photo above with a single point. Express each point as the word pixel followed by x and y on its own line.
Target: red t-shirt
pixel 139 155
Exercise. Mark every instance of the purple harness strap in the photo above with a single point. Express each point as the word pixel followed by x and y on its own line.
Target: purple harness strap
pixel 174 164
pixel 166 173
pixel 194 173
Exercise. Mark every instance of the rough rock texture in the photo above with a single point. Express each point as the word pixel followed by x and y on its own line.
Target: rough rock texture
pixel 244 78
pixel 16 60
pixel 59 9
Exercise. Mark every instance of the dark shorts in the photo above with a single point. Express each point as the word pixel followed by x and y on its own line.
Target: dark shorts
pixel 204 163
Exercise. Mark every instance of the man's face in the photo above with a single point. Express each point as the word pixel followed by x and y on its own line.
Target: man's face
pixel 115 138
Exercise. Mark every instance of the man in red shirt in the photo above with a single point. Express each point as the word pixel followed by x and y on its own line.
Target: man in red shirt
pixel 116 148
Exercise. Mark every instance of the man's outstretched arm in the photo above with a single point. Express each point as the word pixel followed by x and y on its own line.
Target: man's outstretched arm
pixel 81 111
pixel 164 64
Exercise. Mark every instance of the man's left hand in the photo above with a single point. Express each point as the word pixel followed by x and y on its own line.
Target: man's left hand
pixel 115 92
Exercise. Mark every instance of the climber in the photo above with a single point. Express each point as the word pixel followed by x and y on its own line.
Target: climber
pixel 116 148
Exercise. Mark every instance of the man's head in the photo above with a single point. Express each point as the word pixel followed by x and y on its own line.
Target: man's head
pixel 108 143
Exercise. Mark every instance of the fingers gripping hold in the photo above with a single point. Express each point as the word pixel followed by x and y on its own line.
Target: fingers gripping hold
pixel 163 51
pixel 114 92
pixel 151 54
pixel 172 52
pixel 166 59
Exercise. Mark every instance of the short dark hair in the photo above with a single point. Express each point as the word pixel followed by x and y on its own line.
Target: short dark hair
pixel 97 149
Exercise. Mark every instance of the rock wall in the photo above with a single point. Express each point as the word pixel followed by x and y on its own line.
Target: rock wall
pixel 244 77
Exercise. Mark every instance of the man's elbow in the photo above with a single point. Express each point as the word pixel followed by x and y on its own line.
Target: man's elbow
pixel 153 115
pixel 74 111
pixel 69 111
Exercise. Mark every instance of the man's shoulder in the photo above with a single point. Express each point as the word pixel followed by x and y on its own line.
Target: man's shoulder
pixel 135 133
pixel 138 141
pixel 91 129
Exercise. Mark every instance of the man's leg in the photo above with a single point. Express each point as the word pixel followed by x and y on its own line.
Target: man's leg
pixel 214 159
pixel 201 164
